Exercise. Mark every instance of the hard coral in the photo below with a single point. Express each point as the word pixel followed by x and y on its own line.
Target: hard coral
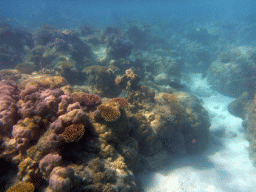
pixel 73 133
pixel 26 68
pixel 43 81
pixel 119 48
pixel 8 109
pixel 35 101
pixel 10 74
pixel 101 80
pixel 109 111
pixel 86 99
pixel 22 187
pixel 129 81
pixel 61 179
pixel 47 164
pixel 121 101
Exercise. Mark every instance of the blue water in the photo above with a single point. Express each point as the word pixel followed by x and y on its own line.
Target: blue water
pixel 103 13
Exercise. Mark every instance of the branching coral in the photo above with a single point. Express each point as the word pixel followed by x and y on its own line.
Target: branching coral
pixel 109 111
pixel 22 187
pixel 86 99
pixel 73 133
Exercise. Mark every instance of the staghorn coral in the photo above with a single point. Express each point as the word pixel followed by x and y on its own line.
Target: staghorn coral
pixel 109 111
pixel 22 187
pixel 73 133
pixel 86 99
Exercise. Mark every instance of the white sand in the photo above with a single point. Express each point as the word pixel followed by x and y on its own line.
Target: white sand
pixel 224 167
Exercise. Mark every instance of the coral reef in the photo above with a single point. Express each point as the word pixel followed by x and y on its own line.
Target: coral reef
pixel 110 111
pixel 234 71
pixel 61 179
pixel 101 80
pixel 119 48
pixel 26 68
pixel 86 99
pixel 8 110
pixel 10 74
pixel 79 119
pixel 22 187
pixel 73 133
pixel 129 81
pixel 12 43
pixel 239 107
pixel 48 162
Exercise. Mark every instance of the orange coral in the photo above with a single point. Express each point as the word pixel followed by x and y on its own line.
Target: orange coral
pixel 73 133
pixel 110 111
pixel 22 187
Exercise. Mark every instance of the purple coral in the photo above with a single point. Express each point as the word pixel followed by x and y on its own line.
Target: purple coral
pixel 44 103
pixel 48 162
pixel 61 179
pixel 8 110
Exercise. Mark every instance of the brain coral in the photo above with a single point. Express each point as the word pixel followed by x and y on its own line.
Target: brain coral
pixel 73 133
pixel 109 111
pixel 22 187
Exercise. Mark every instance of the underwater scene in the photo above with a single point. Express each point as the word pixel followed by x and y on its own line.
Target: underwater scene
pixel 127 96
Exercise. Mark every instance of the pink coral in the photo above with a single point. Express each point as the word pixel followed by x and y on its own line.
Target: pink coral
pixel 48 162
pixel 8 110
pixel 44 103
pixel 61 179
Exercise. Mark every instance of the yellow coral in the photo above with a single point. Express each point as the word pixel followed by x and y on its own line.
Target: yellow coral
pixel 44 81
pixel 73 133
pixel 110 111
pixel 22 187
